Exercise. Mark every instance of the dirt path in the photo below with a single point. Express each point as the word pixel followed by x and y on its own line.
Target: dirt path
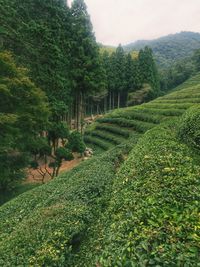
pixel 35 177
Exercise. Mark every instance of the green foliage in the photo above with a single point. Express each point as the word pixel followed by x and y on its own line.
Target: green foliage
pixel 112 210
pixel 171 48
pixel 39 146
pixel 196 58
pixel 113 129
pixel 87 70
pixel 23 115
pixel 137 125
pixel 38 35
pixel 63 153
pixel 107 136
pixel 76 143
pixel 153 214
pixel 19 189
pixel 176 74
pixel 126 121
pixel 58 130
pixel 189 130
pixel 50 233
pixel 97 142
pixel 149 71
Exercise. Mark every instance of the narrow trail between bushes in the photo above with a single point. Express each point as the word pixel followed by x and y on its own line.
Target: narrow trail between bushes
pixel 35 177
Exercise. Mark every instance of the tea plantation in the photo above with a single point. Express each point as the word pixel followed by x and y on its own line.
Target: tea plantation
pixel 117 126
pixel 134 204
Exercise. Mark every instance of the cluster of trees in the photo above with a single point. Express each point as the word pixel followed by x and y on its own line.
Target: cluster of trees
pixel 56 43
pixel 27 134
pixel 171 48
pixel 180 71
pixel 57 46
pixel 127 73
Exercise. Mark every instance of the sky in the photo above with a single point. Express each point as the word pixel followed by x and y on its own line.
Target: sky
pixel 126 21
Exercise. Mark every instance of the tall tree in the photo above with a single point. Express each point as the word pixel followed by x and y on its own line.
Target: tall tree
pixel 120 83
pixel 196 58
pixel 38 34
pixel 23 117
pixel 148 70
pixel 87 69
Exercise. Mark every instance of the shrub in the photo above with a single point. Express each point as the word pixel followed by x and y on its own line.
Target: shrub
pixel 100 143
pixel 189 130
pixel 107 136
pixel 76 143
pixel 153 215
pixel 45 226
pixel 113 129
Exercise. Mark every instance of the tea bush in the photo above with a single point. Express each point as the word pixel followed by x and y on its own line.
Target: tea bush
pixel 189 130
pixel 153 215
pixel 113 129
pixel 45 226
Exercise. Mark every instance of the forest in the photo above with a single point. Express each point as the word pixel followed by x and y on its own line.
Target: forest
pixel 53 55
pixel 128 116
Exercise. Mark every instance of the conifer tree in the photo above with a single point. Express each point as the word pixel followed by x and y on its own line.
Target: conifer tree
pixel 38 34
pixel 148 70
pixel 87 69
pixel 120 83
pixel 23 116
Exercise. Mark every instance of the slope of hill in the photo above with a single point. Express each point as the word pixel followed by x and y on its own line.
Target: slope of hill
pixel 118 125
pixel 171 48
pixel 134 205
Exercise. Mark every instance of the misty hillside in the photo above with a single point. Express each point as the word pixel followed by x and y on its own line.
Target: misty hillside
pixel 171 48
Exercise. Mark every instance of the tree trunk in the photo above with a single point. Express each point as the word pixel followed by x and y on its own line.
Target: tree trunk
pixel 82 111
pixel 118 100
pixel 105 104
pixel 78 111
pixel 113 100
pixel 110 101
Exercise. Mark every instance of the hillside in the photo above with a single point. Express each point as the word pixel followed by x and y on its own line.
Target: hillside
pixel 118 125
pixel 171 48
pixel 134 205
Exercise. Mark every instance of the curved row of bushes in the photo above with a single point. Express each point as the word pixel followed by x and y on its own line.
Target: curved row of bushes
pixel 153 215
pixel 113 129
pixel 45 226
pixel 107 136
pixel 136 125
pixel 97 142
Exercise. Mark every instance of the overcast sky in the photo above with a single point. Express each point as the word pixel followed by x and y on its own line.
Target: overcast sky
pixel 125 21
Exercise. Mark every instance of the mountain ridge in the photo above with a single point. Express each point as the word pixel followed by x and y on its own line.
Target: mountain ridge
pixel 167 49
pixel 170 48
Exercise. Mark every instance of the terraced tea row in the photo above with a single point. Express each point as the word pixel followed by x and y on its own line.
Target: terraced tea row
pixel 115 127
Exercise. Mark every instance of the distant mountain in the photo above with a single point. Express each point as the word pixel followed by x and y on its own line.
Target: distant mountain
pixel 170 48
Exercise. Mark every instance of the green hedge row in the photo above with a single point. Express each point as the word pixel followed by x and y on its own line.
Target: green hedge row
pixel 136 125
pixel 107 136
pixel 88 139
pixel 153 217
pixel 174 101
pixel 163 112
pixel 181 96
pixel 168 106
pixel 113 129
pixel 45 227
pixel 189 130
pixel 138 115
